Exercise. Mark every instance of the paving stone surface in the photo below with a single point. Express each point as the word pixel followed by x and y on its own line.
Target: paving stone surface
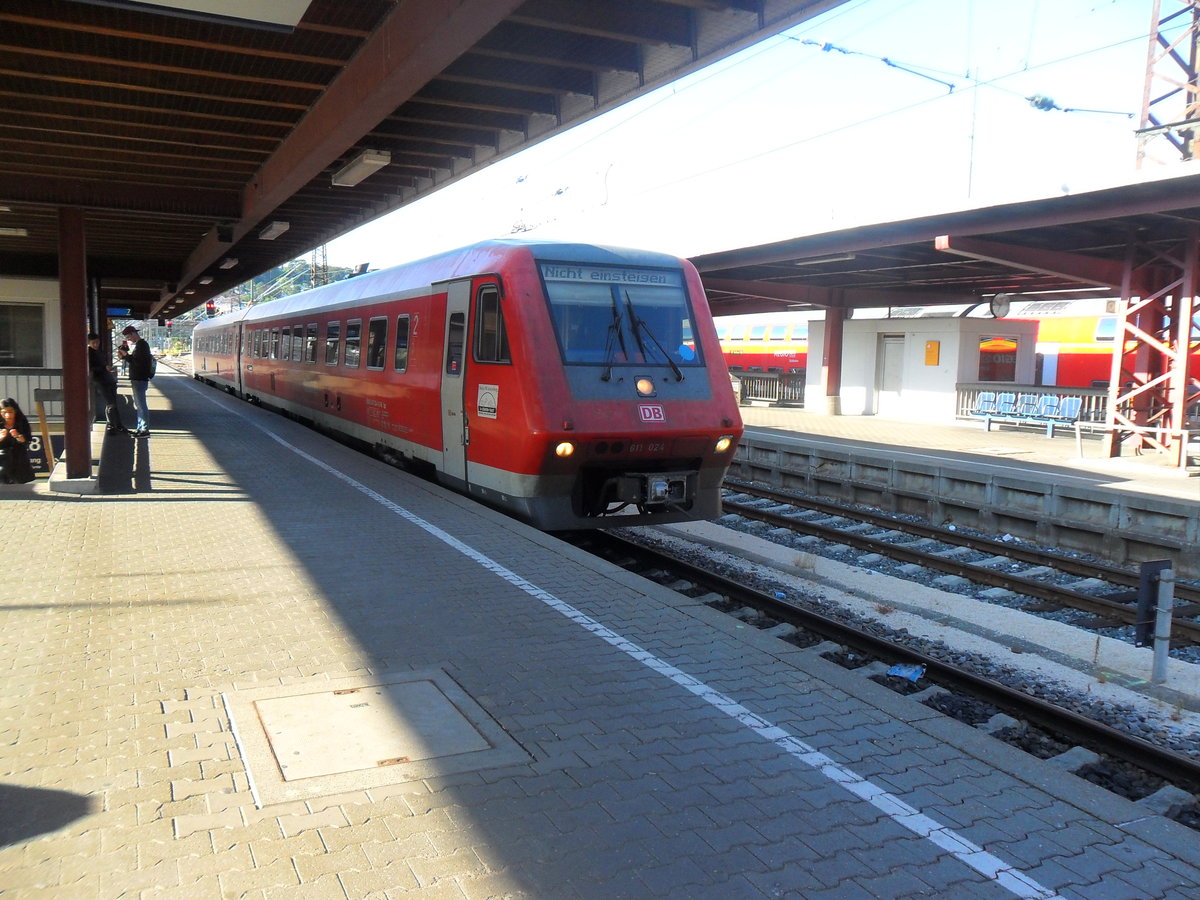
pixel 670 751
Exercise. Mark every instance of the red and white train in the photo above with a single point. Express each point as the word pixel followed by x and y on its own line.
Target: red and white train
pixel 571 385
pixel 1074 342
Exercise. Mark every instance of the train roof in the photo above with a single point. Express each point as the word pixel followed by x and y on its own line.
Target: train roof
pixel 482 257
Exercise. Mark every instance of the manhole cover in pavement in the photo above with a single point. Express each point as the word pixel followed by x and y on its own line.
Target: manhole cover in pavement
pixel 364 727
pixel 330 736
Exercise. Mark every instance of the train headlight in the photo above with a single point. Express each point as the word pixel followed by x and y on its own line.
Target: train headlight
pixel 724 442
pixel 565 449
pixel 645 387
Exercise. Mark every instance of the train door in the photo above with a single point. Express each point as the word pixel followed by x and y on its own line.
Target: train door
pixel 889 376
pixel 454 362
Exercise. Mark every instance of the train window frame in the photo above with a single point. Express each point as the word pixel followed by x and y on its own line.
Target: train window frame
pixel 757 333
pixel 376 355
pixel 352 344
pixel 274 343
pixel 310 342
pixel 624 316
pixel 333 342
pixel 491 336
pixel 400 350
pixel 285 342
pixel 297 343
pixel 456 339
pixel 778 333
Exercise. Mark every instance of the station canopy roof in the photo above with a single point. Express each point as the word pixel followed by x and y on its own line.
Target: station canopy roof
pixel 1066 247
pixel 204 139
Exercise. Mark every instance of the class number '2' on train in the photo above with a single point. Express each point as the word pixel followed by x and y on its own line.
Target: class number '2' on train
pixel 573 386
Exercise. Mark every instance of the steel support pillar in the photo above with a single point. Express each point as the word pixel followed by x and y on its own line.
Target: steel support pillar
pixel 831 359
pixel 72 285
pixel 1150 389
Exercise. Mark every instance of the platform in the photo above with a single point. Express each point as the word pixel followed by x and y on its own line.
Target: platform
pixel 270 666
pixel 1012 448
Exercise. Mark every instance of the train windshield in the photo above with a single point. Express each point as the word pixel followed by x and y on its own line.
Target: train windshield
pixel 617 316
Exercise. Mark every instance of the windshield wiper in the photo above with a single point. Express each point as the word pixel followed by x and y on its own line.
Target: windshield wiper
pixel 639 325
pixel 615 330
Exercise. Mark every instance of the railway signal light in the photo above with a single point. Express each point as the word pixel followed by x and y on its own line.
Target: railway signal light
pixel 210 308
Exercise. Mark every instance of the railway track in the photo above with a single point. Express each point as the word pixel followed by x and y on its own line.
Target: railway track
pixel 1041 727
pixel 931 548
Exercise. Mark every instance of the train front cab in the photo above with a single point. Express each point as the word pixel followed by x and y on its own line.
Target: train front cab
pixel 578 394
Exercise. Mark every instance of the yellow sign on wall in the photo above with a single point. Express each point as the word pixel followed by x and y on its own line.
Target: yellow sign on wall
pixel 933 352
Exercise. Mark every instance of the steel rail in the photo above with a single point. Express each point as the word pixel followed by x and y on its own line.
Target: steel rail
pixel 1187 593
pixel 1182 629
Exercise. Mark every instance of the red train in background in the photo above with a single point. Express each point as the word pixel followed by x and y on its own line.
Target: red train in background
pixel 1073 350
pixel 571 385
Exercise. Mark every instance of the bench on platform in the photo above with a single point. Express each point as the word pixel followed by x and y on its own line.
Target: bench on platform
pixel 1045 411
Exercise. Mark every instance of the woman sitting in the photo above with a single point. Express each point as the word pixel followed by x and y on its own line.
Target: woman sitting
pixel 15 435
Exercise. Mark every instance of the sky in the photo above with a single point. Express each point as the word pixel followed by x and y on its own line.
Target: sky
pixel 812 131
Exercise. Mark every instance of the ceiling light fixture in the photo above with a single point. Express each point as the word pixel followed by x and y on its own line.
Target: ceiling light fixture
pixel 368 162
pixel 274 230
pixel 207 279
pixel 14 232
pixel 228 263
pixel 820 260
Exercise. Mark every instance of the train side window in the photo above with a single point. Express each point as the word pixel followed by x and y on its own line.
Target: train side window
pixel 297 342
pixel 758 332
pixel 274 343
pixel 722 332
pixel 738 333
pixel 310 343
pixel 491 338
pixel 401 361
pixel 1106 329
pixel 285 343
pixel 778 332
pixel 454 343
pixel 333 334
pixel 353 343
pixel 376 343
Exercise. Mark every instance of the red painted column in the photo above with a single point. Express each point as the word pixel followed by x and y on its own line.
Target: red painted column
pixel 831 359
pixel 72 286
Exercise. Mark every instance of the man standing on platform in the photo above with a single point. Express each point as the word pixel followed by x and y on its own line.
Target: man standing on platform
pixel 104 380
pixel 140 365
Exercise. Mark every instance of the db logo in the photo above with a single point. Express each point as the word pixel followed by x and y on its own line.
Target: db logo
pixel 651 412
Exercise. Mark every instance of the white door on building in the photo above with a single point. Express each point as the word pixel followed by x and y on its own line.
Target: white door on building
pixel 889 375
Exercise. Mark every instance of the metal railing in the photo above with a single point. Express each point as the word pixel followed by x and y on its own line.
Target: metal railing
pixel 774 388
pixel 20 383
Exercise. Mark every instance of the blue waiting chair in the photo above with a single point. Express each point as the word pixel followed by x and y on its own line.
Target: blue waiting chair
pixel 985 404
pixel 1066 414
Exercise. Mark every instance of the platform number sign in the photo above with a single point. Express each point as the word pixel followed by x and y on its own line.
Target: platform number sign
pixel 651 412
pixel 37 451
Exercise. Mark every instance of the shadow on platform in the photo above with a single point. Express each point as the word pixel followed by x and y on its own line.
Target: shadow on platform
pixel 29 812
